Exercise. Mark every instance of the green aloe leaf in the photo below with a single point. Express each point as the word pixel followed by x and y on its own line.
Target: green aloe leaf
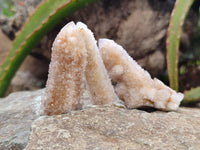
pixel 46 16
pixel 179 13
pixel 192 96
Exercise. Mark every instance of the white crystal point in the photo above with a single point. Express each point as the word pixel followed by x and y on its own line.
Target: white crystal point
pixel 81 25
pixel 175 101
pixel 98 81
pixel 135 85
pixel 66 79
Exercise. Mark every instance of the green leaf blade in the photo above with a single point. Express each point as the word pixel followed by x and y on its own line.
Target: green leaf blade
pixel 173 39
pixel 47 15
pixel 192 96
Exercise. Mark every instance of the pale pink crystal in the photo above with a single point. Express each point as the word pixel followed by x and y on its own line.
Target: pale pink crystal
pixel 77 75
pixel 100 87
pixel 66 79
pixel 134 85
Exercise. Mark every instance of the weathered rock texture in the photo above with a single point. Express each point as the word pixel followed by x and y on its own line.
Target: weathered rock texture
pixel 117 128
pixel 100 128
pixel 23 9
pixel 17 112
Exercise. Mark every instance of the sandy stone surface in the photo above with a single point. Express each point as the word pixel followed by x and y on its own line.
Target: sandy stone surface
pixel 117 128
pixel 97 127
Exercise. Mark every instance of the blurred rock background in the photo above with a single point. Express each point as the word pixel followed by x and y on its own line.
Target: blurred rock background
pixel 140 26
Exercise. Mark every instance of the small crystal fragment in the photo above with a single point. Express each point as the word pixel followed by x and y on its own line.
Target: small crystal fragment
pixel 134 85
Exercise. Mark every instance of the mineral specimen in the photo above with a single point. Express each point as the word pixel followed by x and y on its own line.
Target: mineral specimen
pixel 134 85
pixel 99 84
pixel 76 70
pixel 65 84
pixel 78 77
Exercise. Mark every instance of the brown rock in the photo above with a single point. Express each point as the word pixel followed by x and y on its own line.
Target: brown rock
pixel 31 75
pixel 23 9
pixel 5 46
pixel 111 127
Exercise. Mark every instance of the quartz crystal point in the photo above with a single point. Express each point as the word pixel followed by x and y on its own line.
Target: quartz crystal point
pixel 77 76
pixel 133 84
pixel 66 79
pixel 99 83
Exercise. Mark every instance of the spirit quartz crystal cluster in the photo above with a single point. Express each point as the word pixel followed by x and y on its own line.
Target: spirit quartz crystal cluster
pixel 80 74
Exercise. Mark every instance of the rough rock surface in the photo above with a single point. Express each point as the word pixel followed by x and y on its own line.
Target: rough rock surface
pixel 17 112
pixel 111 127
pixel 30 76
pixel 23 9
pixel 102 127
